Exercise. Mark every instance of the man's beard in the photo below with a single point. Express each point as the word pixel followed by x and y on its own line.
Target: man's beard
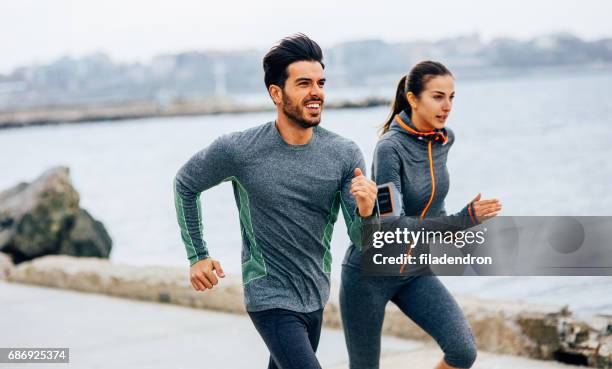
pixel 294 113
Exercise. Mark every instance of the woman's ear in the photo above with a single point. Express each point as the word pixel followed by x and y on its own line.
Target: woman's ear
pixel 276 93
pixel 412 100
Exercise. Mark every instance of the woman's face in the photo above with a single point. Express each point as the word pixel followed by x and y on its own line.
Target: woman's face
pixel 431 109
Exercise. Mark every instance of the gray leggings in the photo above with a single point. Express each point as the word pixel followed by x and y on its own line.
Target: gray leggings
pixel 424 299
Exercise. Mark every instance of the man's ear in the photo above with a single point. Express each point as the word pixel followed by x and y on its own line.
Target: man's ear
pixel 276 93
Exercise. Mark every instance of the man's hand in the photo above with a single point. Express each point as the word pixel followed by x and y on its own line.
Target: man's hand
pixel 485 209
pixel 365 191
pixel 202 274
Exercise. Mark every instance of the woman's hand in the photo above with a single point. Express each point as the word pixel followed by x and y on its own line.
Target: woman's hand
pixel 485 209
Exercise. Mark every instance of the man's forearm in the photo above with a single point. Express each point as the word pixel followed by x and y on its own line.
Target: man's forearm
pixel 189 216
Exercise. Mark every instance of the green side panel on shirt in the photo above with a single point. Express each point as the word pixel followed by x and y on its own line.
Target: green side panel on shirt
pixel 353 225
pixel 328 232
pixel 255 267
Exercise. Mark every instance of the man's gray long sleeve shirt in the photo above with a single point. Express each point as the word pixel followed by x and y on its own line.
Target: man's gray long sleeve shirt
pixel 288 197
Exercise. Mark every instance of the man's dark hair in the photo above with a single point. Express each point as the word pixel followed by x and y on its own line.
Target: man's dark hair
pixel 291 49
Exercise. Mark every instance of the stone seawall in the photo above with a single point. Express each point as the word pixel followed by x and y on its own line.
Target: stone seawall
pixel 531 330
pixel 38 116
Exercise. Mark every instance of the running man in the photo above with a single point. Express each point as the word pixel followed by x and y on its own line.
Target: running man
pixel 290 178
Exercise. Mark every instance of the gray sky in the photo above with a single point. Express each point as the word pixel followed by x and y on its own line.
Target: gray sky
pixel 38 31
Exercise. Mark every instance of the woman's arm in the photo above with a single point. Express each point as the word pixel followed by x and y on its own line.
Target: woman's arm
pixel 387 167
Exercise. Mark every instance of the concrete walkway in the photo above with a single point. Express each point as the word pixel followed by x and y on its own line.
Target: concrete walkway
pixel 109 332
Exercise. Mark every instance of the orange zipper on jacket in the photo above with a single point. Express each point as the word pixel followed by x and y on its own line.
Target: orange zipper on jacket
pixel 433 181
pixel 433 193
pixel 431 167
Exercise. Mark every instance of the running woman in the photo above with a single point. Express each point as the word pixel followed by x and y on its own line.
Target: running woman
pixel 412 154
pixel 290 178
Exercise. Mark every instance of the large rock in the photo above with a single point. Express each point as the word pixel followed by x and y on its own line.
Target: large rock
pixel 88 237
pixel 43 217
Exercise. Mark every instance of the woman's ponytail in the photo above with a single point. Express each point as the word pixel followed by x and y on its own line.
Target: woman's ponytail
pixel 399 103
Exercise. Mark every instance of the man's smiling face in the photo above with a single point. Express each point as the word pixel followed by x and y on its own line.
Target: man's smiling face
pixel 302 95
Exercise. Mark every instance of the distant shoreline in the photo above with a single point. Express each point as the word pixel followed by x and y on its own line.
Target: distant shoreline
pixel 20 117
pixel 43 116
